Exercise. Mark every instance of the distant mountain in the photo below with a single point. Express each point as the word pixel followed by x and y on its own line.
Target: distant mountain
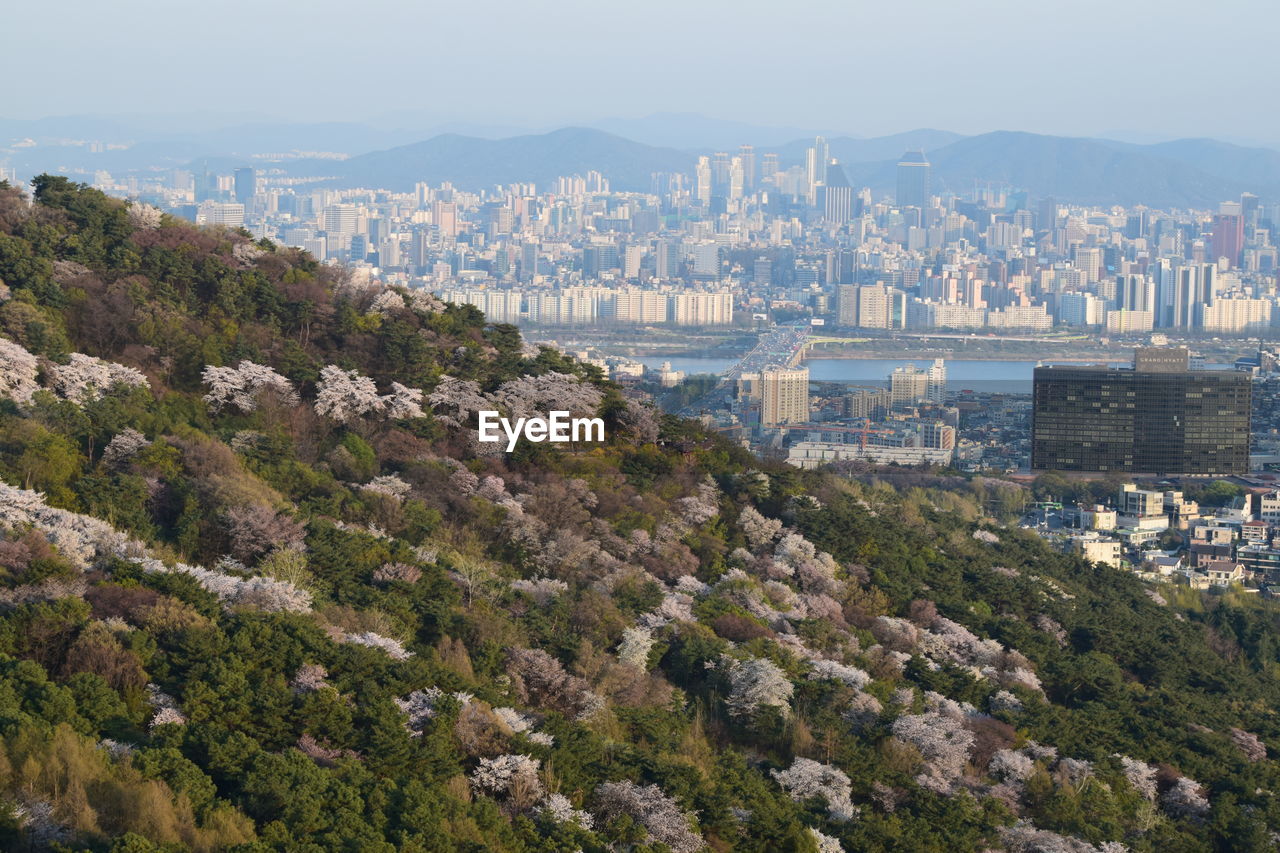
pixel 695 131
pixel 470 162
pixel 1184 173
pixel 1223 159
pixel 848 149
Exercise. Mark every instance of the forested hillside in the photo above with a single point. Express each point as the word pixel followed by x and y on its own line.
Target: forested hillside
pixel 261 589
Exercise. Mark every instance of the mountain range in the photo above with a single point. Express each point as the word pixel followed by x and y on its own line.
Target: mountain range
pixel 406 149
pixel 1194 173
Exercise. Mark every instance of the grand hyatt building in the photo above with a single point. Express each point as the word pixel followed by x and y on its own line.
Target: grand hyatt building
pixel 1158 417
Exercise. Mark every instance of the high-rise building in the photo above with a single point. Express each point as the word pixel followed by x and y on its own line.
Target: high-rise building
pixel 768 166
pixel 702 177
pixel 784 396
pixel 874 308
pixel 908 385
pixel 246 185
pixel 1228 233
pixel 913 180
pixel 747 156
pixel 816 159
pixel 835 198
pixel 1157 417
pixel 936 390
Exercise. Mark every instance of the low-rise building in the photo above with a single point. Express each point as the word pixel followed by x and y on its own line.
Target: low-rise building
pixel 1254 531
pixel 1097 549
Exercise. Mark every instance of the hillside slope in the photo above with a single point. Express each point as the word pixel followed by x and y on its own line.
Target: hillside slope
pixel 260 589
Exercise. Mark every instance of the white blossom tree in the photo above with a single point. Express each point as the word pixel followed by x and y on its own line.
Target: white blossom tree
pixel 165 708
pixel 543 591
pixel 345 395
pixel 659 814
pixel 760 531
pixel 635 647
pixel 1140 776
pixel 123 446
pixel 944 744
pixel 758 683
pixel 506 774
pixel 454 400
pixel 531 396
pixel 1185 799
pixel 393 647
pixel 806 778
pixel 559 808
pixel 403 403
pixel 18 370
pixel 826 844
pixel 243 386
pixel 86 378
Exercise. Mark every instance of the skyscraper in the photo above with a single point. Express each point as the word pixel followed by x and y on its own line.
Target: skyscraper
pixel 816 167
pixel 913 180
pixel 1228 233
pixel 768 166
pixel 747 154
pixel 246 185
pixel 702 177
pixel 1157 417
pixel 784 396
pixel 835 198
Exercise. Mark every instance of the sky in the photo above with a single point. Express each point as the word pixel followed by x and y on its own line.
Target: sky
pixel 1123 67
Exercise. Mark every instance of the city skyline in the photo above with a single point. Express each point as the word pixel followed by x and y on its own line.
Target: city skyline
pixel 868 70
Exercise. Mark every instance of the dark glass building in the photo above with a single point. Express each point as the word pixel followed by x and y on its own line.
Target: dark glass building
pixel 1158 417
pixel 913 180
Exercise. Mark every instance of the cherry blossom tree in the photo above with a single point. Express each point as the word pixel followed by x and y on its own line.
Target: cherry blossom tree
pixel 86 378
pixel 309 678
pixel 635 647
pixel 1185 799
pixel 508 774
pixel 394 648
pixel 944 744
pixel 123 446
pixel 387 302
pixel 345 395
pixel 648 805
pixel 389 485
pixel 1140 775
pixel 807 778
pixel 403 403
pixel 454 400
pixel 1250 745
pixel 530 396
pixel 559 808
pixel 165 708
pixel 243 386
pixel 145 217
pixel 825 843
pixel 543 591
pixel 757 683
pixel 403 572
pixel 760 531
pixel 835 671
pixel 18 369
pixel 255 530
pixel 539 680
pixel 1025 837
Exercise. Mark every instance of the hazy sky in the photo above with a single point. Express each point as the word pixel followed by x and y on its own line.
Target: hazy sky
pixel 1164 67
